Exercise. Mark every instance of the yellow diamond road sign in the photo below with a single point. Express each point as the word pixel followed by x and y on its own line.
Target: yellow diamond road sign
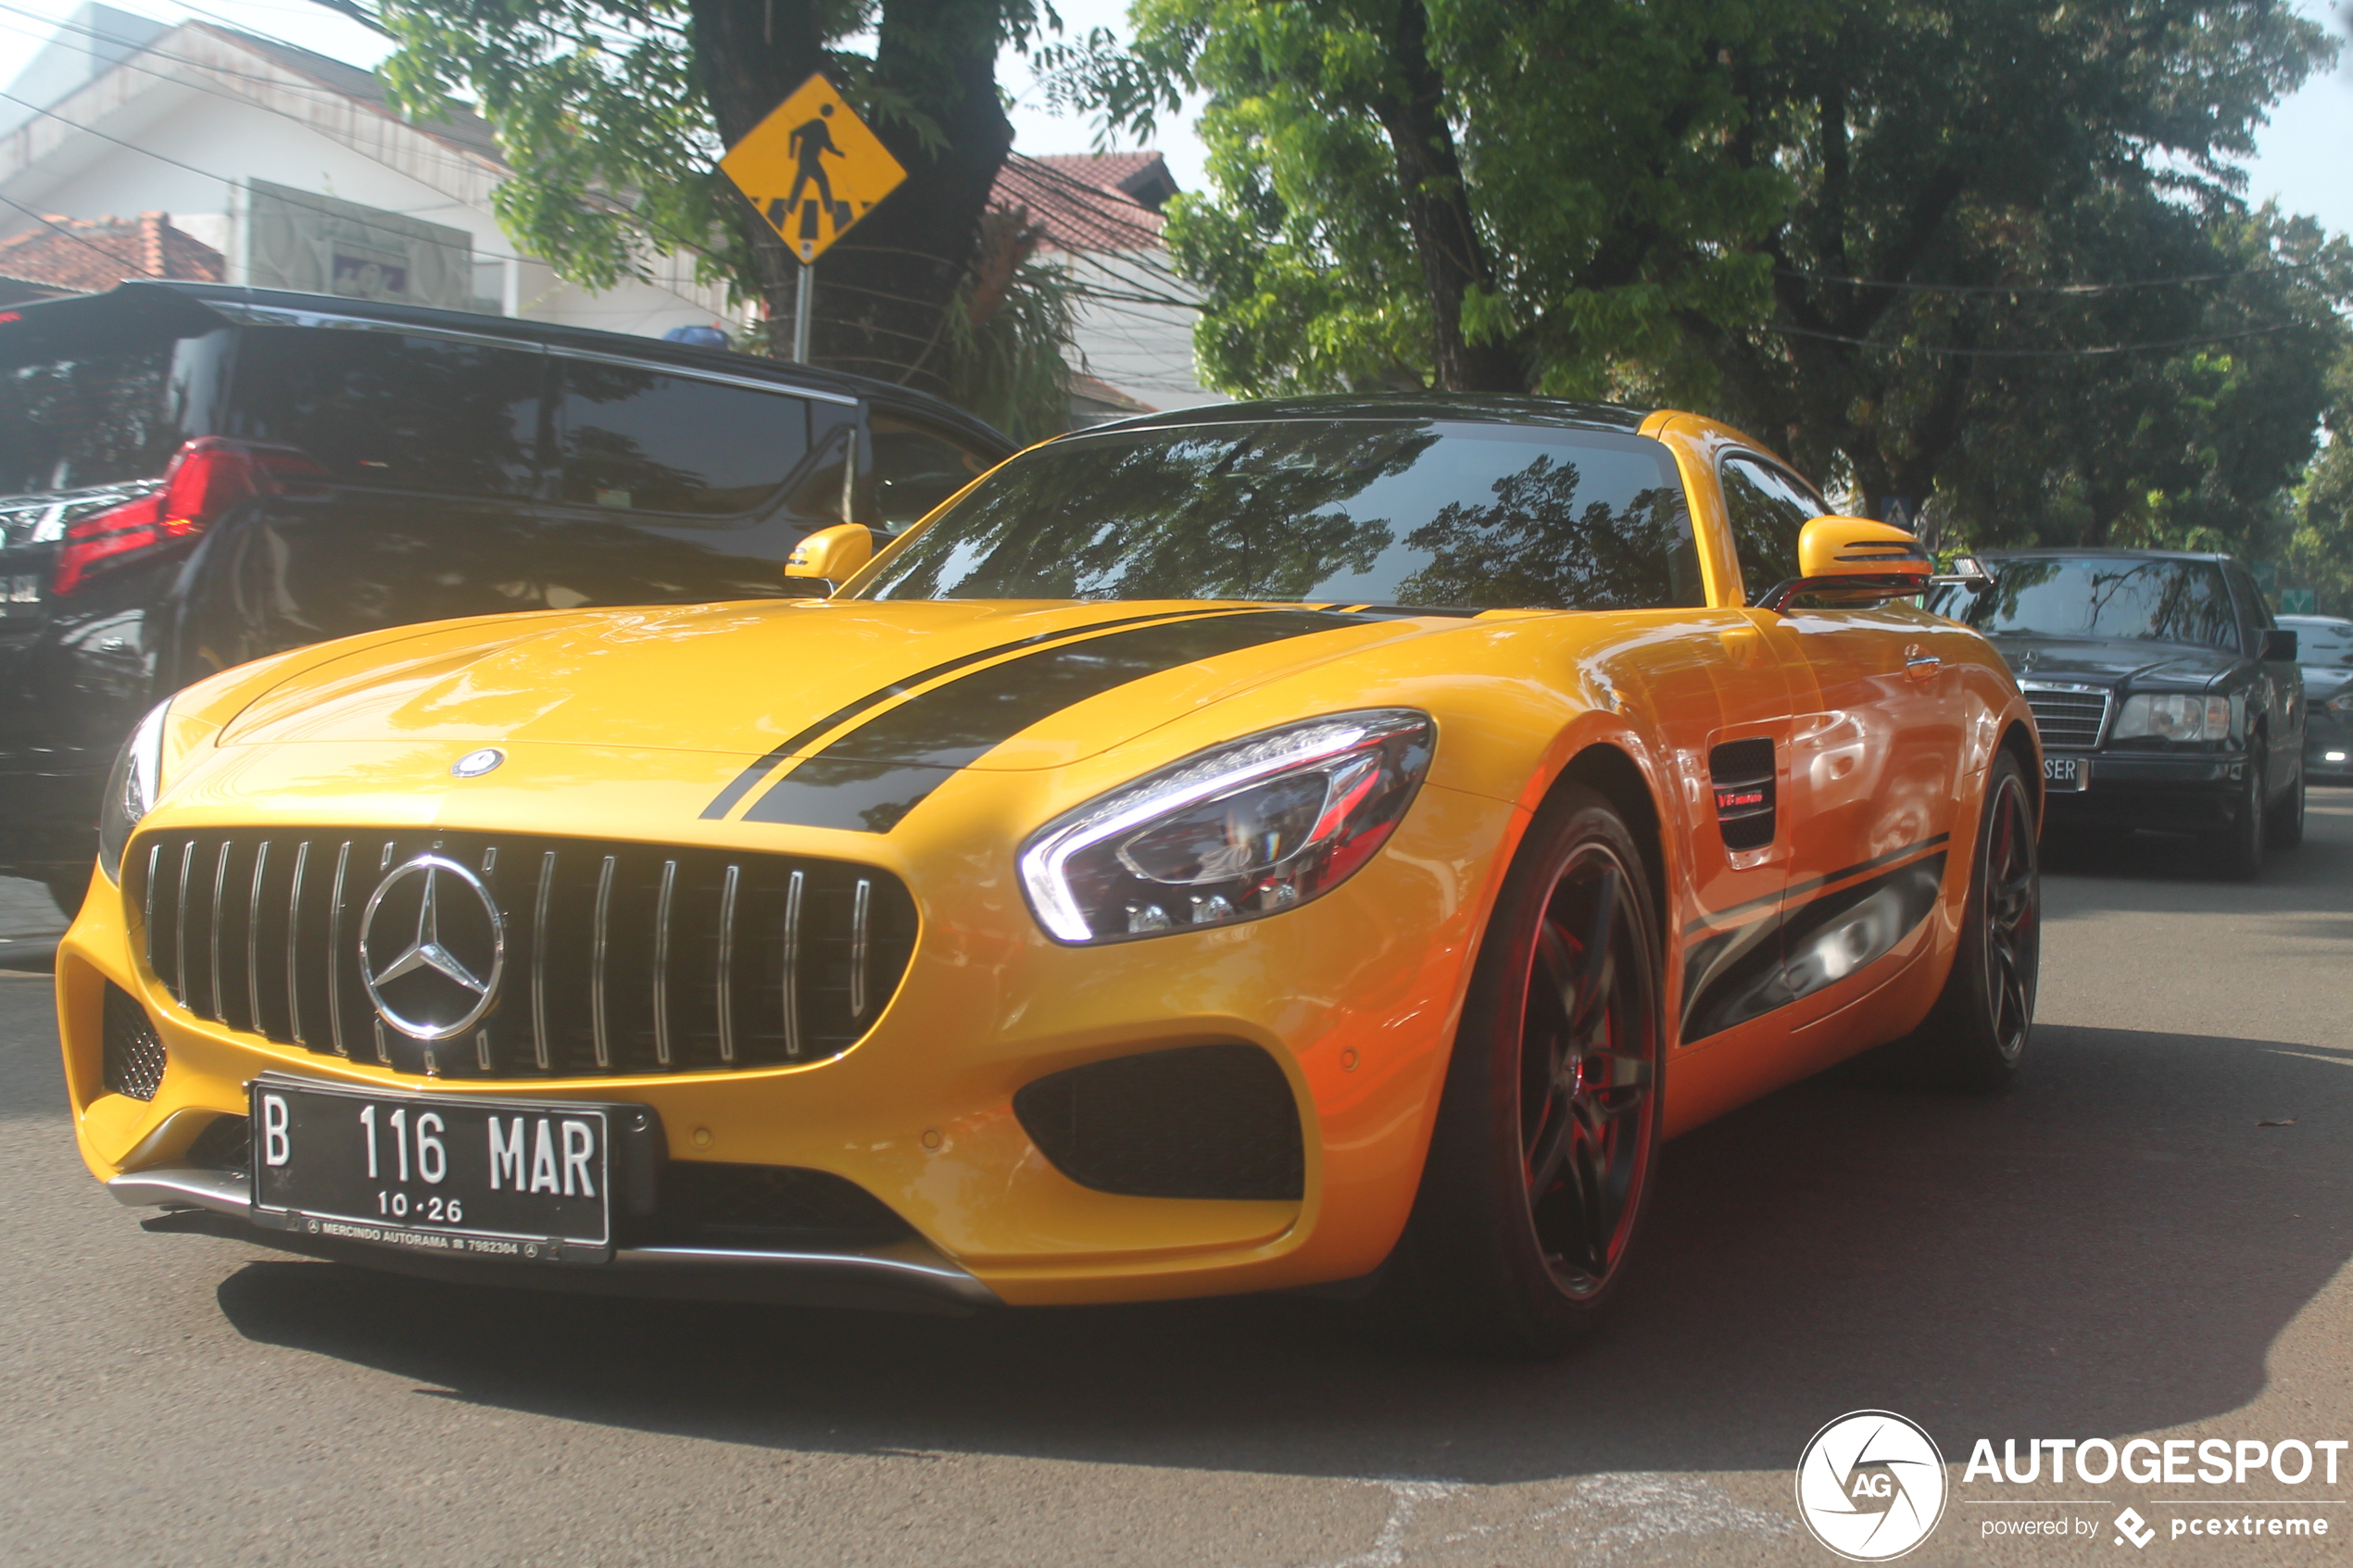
pixel 813 168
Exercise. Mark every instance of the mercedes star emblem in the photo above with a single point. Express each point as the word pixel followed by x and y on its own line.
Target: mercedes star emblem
pixel 427 989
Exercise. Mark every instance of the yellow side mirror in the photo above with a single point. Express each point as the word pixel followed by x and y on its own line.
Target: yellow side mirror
pixel 1841 554
pixel 834 554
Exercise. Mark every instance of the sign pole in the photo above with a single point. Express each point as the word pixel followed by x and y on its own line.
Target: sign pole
pixel 801 314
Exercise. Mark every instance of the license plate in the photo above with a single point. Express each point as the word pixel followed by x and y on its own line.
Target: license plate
pixel 2067 772
pixel 529 1181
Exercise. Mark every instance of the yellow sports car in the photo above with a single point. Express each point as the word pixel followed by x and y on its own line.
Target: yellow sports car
pixel 1315 842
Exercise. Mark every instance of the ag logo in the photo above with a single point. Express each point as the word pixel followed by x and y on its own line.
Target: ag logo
pixel 1870 1486
pixel 431 944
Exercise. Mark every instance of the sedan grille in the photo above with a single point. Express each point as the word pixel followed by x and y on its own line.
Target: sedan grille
pixel 595 958
pixel 2071 718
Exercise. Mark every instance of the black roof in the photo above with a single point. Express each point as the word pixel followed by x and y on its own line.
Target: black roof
pixel 148 306
pixel 1461 407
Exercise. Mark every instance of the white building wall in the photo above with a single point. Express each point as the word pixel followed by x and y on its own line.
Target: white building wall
pixel 1139 336
pixel 187 145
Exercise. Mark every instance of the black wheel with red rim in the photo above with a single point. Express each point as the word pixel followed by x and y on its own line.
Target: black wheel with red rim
pixel 1548 1137
pixel 1976 1033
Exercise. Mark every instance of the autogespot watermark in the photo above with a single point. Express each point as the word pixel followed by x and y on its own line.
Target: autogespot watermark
pixel 2284 1465
pixel 1871 1485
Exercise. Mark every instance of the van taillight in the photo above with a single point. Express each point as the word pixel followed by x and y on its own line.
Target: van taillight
pixel 207 476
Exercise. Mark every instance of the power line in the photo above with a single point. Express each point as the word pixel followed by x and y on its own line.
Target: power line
pixel 2036 353
pixel 2043 288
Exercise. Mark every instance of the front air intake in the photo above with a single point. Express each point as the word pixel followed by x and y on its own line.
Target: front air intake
pixel 130 1052
pixel 1196 1122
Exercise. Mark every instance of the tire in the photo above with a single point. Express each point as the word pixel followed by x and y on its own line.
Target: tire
pixel 2237 851
pixel 1541 1162
pixel 2285 829
pixel 1976 1035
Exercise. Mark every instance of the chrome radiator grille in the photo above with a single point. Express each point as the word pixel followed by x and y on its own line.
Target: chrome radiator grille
pixel 2071 718
pixel 616 958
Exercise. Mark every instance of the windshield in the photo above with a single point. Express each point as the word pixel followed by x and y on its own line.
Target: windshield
pixel 1324 512
pixel 2108 598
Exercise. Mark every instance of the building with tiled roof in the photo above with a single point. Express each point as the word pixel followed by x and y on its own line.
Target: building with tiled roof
pixel 1098 216
pixel 67 256
pixel 292 169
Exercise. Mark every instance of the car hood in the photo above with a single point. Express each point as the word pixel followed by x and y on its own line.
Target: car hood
pixel 2112 663
pixel 954 683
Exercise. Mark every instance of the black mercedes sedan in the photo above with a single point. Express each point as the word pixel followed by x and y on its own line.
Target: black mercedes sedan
pixel 2324 647
pixel 2168 695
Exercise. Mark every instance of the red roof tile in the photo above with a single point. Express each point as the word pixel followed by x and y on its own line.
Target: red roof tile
pixel 91 255
pixel 1087 201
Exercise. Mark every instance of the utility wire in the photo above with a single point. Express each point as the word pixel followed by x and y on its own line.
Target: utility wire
pixel 2036 353
pixel 2043 288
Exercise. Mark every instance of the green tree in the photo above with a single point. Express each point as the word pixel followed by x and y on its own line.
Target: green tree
pixel 1880 233
pixel 613 113
pixel 2320 551
pixel 1975 181
pixel 1472 194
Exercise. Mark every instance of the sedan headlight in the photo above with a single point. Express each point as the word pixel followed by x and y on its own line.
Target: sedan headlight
pixel 2341 703
pixel 132 789
pixel 1240 831
pixel 2174 716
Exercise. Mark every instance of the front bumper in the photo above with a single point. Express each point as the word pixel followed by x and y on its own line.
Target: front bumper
pixel 1353 997
pixel 903 1274
pixel 2183 794
pixel 2325 734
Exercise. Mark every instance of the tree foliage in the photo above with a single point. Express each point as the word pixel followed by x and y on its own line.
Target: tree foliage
pixel 2318 554
pixel 1987 252
pixel 613 114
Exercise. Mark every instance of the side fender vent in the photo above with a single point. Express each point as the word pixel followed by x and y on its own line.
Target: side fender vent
pixel 1196 1122
pixel 1741 774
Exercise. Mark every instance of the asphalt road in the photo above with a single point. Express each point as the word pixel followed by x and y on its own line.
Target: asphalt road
pixel 2118 1248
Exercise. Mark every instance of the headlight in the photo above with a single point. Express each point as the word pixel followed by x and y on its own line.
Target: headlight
pixel 1240 831
pixel 2341 703
pixel 2174 716
pixel 132 789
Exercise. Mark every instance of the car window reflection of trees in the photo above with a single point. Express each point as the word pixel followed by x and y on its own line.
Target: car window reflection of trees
pixel 1271 513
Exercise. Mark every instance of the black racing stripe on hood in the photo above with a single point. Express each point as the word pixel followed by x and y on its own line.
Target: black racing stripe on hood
pixel 724 802
pixel 872 777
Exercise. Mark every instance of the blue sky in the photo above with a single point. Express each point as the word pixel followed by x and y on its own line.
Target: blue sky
pixel 2305 158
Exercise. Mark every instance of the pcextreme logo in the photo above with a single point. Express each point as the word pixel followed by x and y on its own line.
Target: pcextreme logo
pixel 1870 1486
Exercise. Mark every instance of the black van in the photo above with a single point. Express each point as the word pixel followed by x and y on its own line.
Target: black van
pixel 194 475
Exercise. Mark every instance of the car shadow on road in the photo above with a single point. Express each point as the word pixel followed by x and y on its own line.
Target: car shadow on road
pixel 2111 1246
pixel 2088 875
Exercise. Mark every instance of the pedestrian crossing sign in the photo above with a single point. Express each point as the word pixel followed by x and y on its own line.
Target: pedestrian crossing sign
pixel 812 168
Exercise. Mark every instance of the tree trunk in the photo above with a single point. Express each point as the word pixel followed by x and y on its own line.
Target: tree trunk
pixel 1430 174
pixel 882 293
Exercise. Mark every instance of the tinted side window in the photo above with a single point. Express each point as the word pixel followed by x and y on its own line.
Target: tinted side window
pixel 1767 511
pixel 98 418
pixel 915 468
pixel 640 441
pixel 390 410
